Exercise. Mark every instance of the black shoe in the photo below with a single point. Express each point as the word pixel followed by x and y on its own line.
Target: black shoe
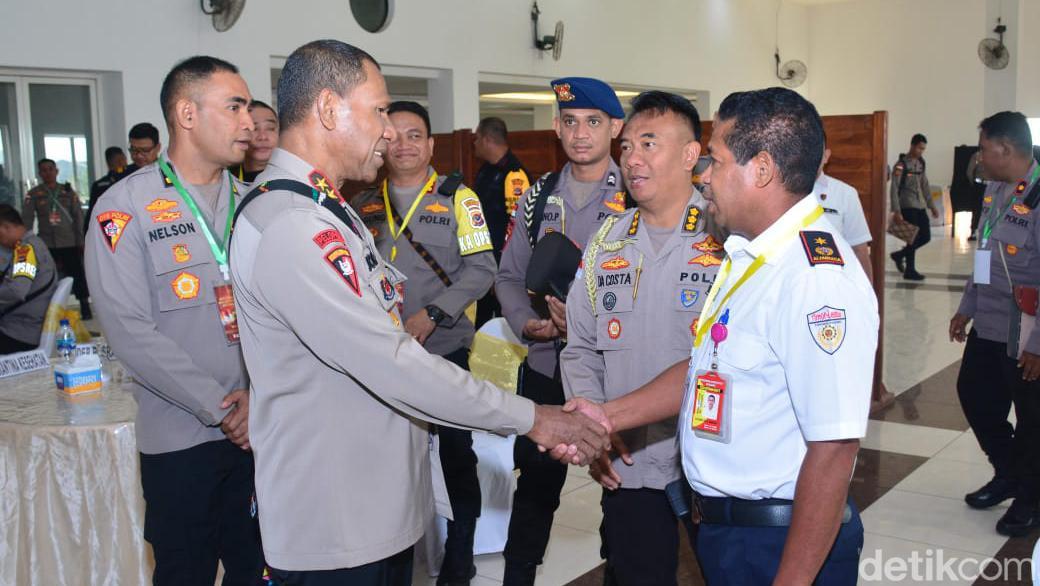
pixel 518 574
pixel 972 238
pixel 913 276
pixel 457 569
pixel 900 260
pixel 1020 518
pixel 84 311
pixel 993 493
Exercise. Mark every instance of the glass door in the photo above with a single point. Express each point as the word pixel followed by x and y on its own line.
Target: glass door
pixel 13 179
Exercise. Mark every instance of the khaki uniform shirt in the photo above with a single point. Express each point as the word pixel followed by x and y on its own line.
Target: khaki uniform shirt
pixel 1015 239
pixel 454 232
pixel 915 192
pixel 630 314
pixel 59 212
pixel 339 391
pixel 31 272
pixel 560 215
pixel 152 277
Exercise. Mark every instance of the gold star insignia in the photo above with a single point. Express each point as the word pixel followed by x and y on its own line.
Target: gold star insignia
pixel 820 240
pixel 322 185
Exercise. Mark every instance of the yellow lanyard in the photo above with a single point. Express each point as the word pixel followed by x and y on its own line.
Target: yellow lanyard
pixel 396 233
pixel 704 324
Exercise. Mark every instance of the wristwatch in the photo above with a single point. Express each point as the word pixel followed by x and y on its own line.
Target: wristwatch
pixel 436 314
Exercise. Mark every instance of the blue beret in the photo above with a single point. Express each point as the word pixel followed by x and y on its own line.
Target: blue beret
pixel 585 92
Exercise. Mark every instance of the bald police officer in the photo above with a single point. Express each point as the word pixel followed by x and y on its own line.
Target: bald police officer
pixel 574 202
pixel 433 230
pixel 156 260
pixel 57 212
pixel 28 284
pixel 631 314
pixel 340 392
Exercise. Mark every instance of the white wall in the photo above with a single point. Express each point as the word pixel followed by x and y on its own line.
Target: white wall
pixel 716 45
pixel 918 60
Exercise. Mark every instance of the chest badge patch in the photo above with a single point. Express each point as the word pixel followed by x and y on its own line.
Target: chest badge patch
pixel 372 208
pixel 160 205
pixel 165 217
pixel 112 225
pixel 185 286
pixel 436 208
pixel 705 260
pixel 614 328
pixel 609 301
pixel 709 244
pixel 616 203
pixel 688 297
pixel 827 326
pixel 615 264
pixel 181 253
pixel 1021 209
pixel 821 249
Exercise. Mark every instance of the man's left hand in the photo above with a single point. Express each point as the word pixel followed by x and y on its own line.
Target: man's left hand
pixel 420 326
pixel 558 314
pixel 1030 365
pixel 935 213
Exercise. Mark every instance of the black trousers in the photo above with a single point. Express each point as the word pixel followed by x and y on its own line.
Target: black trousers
pixel 920 219
pixel 640 535
pixel 70 264
pixel 197 511
pixel 395 570
pixel 458 460
pixel 9 345
pixel 541 479
pixel 988 384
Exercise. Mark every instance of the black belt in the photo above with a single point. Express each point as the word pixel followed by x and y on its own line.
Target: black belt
pixel 744 513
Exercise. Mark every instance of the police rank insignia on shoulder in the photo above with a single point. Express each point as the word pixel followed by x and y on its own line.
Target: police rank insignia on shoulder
pixel 821 249
pixel 692 221
pixel 340 260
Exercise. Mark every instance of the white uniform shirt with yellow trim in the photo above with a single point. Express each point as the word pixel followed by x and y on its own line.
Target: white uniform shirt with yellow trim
pixel 800 357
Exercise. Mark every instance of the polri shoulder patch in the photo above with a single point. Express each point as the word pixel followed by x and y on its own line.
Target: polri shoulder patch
pixel 820 248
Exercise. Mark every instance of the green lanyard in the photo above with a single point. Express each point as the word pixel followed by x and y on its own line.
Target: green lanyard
pixel 987 226
pixel 219 248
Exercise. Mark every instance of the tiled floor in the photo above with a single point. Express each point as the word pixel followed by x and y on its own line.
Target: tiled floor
pixel 917 462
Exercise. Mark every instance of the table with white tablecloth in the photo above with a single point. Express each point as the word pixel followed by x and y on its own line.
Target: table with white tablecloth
pixel 70 491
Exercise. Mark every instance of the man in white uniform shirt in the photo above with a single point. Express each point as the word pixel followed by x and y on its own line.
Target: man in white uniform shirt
pixel 842 207
pixel 786 343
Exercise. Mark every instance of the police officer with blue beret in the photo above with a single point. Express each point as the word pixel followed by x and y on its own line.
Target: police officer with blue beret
pixel 574 202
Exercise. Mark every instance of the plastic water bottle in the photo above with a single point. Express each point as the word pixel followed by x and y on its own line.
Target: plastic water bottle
pixel 66 341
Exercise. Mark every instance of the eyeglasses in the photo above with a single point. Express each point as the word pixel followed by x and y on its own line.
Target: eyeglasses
pixel 142 151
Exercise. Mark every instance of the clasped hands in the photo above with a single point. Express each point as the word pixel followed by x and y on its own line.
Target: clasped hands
pixel 580 433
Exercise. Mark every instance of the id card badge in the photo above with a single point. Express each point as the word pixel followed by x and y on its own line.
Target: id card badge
pixel 226 308
pixel 712 405
pixel 55 218
pixel 981 272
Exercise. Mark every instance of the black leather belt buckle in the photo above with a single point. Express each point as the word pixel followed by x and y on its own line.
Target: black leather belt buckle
pixel 747 513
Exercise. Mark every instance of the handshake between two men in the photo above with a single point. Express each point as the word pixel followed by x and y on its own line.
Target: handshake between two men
pixel 578 433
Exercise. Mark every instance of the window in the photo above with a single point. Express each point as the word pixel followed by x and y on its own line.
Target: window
pixel 70 153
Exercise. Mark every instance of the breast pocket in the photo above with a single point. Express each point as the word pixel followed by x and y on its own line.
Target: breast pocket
pixel 184 272
pixel 743 356
pixel 436 234
pixel 615 322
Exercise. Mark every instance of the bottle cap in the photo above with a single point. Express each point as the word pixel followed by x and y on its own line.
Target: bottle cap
pixel 63 322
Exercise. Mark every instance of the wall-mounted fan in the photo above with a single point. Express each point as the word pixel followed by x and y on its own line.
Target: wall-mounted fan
pixel 224 12
pixel 993 52
pixel 552 43
pixel 792 73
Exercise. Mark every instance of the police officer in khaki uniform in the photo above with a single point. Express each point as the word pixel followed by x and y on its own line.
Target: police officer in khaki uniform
pixel 60 214
pixel 630 316
pixel 156 260
pixel 1001 362
pixel 575 202
pixel 433 230
pixel 910 194
pixel 28 284
pixel 340 392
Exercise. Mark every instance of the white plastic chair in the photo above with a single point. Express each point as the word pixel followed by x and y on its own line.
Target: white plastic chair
pixel 55 311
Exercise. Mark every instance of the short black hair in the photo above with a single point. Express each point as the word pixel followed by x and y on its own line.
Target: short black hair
pixel 190 71
pixel 1010 126
pixel 258 104
pixel 494 128
pixel 918 139
pixel 413 107
pixel 112 152
pixel 318 65
pixel 143 130
pixel 45 160
pixel 658 103
pixel 782 123
pixel 9 215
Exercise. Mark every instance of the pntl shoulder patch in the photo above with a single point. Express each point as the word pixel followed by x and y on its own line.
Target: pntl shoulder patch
pixel 821 249
pixel 693 220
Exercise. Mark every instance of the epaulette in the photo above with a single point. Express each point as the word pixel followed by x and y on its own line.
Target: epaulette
pixel 820 248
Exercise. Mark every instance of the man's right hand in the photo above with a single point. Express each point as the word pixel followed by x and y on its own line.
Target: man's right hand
pixel 235 424
pixel 541 330
pixel 579 438
pixel 897 217
pixel 959 327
